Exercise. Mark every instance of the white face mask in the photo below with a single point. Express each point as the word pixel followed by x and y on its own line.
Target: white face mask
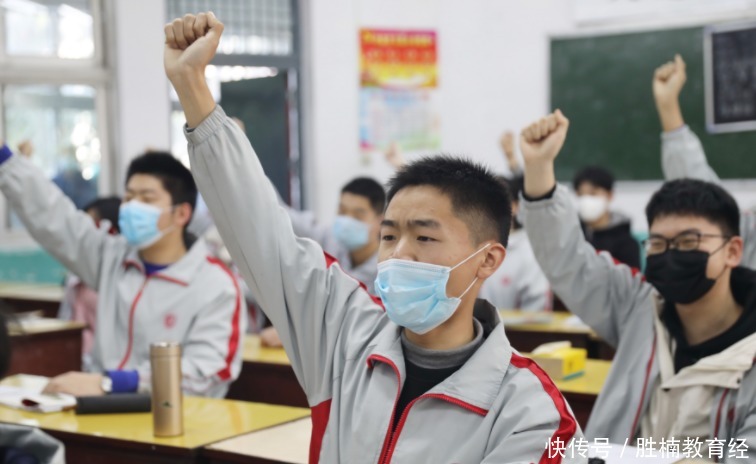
pixel 592 207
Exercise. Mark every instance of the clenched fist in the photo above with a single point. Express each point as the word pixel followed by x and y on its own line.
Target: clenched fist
pixel 541 141
pixel 190 44
pixel 669 80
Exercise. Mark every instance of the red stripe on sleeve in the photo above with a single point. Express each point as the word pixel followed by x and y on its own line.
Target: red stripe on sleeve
pixel 567 424
pixel 320 414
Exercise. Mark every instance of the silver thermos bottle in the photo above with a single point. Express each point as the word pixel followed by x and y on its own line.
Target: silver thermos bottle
pixel 167 399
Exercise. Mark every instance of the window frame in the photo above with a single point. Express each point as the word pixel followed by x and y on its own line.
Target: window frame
pixel 95 72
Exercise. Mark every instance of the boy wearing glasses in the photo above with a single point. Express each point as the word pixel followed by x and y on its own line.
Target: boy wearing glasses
pixel 684 334
pixel 682 152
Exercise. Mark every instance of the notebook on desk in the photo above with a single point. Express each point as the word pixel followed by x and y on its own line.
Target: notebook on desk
pixel 24 392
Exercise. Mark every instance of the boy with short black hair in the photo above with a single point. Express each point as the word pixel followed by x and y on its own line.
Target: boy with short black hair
pixel 153 283
pixel 606 230
pixel 352 238
pixel 682 153
pixel 430 378
pixel 685 334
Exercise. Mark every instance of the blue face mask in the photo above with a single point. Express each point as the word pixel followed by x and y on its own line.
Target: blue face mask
pixel 414 293
pixel 350 232
pixel 139 223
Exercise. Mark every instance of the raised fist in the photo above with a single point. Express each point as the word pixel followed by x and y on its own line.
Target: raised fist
pixel 669 80
pixel 541 141
pixel 190 44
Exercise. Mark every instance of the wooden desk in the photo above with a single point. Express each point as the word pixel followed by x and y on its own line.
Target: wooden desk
pixel 127 438
pixel 552 327
pixel 527 336
pixel 581 392
pixel 283 444
pixel 266 377
pixel 49 350
pixel 32 297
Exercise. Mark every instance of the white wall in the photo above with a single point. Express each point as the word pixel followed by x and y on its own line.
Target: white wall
pixel 494 74
pixel 142 110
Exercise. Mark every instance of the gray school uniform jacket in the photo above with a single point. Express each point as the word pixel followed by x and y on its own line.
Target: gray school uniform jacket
pixel 519 282
pixel 617 303
pixel 33 441
pixel 195 301
pixel 497 408
pixel 306 225
pixel 683 156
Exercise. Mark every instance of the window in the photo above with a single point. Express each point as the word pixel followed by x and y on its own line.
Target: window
pixel 48 29
pixel 257 70
pixel 252 27
pixel 53 91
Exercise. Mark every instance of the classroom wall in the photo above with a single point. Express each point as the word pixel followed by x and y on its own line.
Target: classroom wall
pixel 494 74
pixel 142 113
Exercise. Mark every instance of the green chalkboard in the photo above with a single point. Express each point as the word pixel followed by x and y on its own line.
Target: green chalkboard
pixel 603 84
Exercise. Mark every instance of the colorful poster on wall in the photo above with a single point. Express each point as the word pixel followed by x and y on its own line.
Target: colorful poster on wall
pixel 398 96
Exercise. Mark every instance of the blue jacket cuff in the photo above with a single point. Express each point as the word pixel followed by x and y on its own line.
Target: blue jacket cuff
pixel 5 153
pixel 124 381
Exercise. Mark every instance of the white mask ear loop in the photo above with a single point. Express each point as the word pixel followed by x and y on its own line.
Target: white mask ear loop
pixel 171 227
pixel 476 278
pixel 468 288
pixel 470 257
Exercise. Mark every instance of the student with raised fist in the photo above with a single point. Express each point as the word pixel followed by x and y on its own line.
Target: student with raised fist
pixel 684 333
pixel 154 281
pixel 682 153
pixel 428 374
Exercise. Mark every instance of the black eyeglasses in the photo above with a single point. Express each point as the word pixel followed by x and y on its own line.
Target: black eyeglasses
pixel 686 241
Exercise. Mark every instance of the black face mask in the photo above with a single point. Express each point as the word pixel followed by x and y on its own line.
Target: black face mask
pixel 680 276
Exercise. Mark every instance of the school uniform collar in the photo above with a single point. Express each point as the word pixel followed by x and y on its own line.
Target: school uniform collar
pixel 478 382
pixel 743 287
pixel 182 272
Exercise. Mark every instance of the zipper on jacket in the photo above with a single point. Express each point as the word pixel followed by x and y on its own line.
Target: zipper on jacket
pixel 390 431
pixel 395 436
pixel 645 386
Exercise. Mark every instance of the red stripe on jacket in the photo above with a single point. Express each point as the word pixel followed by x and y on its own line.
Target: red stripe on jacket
pixel 233 341
pixel 567 425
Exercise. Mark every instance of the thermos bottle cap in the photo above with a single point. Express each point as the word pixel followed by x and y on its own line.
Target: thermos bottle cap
pixel 165 349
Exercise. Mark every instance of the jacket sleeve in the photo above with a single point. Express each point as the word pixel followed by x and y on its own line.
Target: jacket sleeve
pixel 532 446
pixel 535 294
pixel 747 433
pixel 53 220
pixel 211 355
pixel 33 441
pixel 303 292
pixel 535 425
pixel 601 292
pixel 306 225
pixel 683 156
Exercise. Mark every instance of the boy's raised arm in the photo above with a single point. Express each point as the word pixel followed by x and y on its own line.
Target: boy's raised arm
pixel 305 296
pixel 599 291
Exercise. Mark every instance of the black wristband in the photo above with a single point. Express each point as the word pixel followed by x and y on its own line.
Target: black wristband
pixel 546 196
